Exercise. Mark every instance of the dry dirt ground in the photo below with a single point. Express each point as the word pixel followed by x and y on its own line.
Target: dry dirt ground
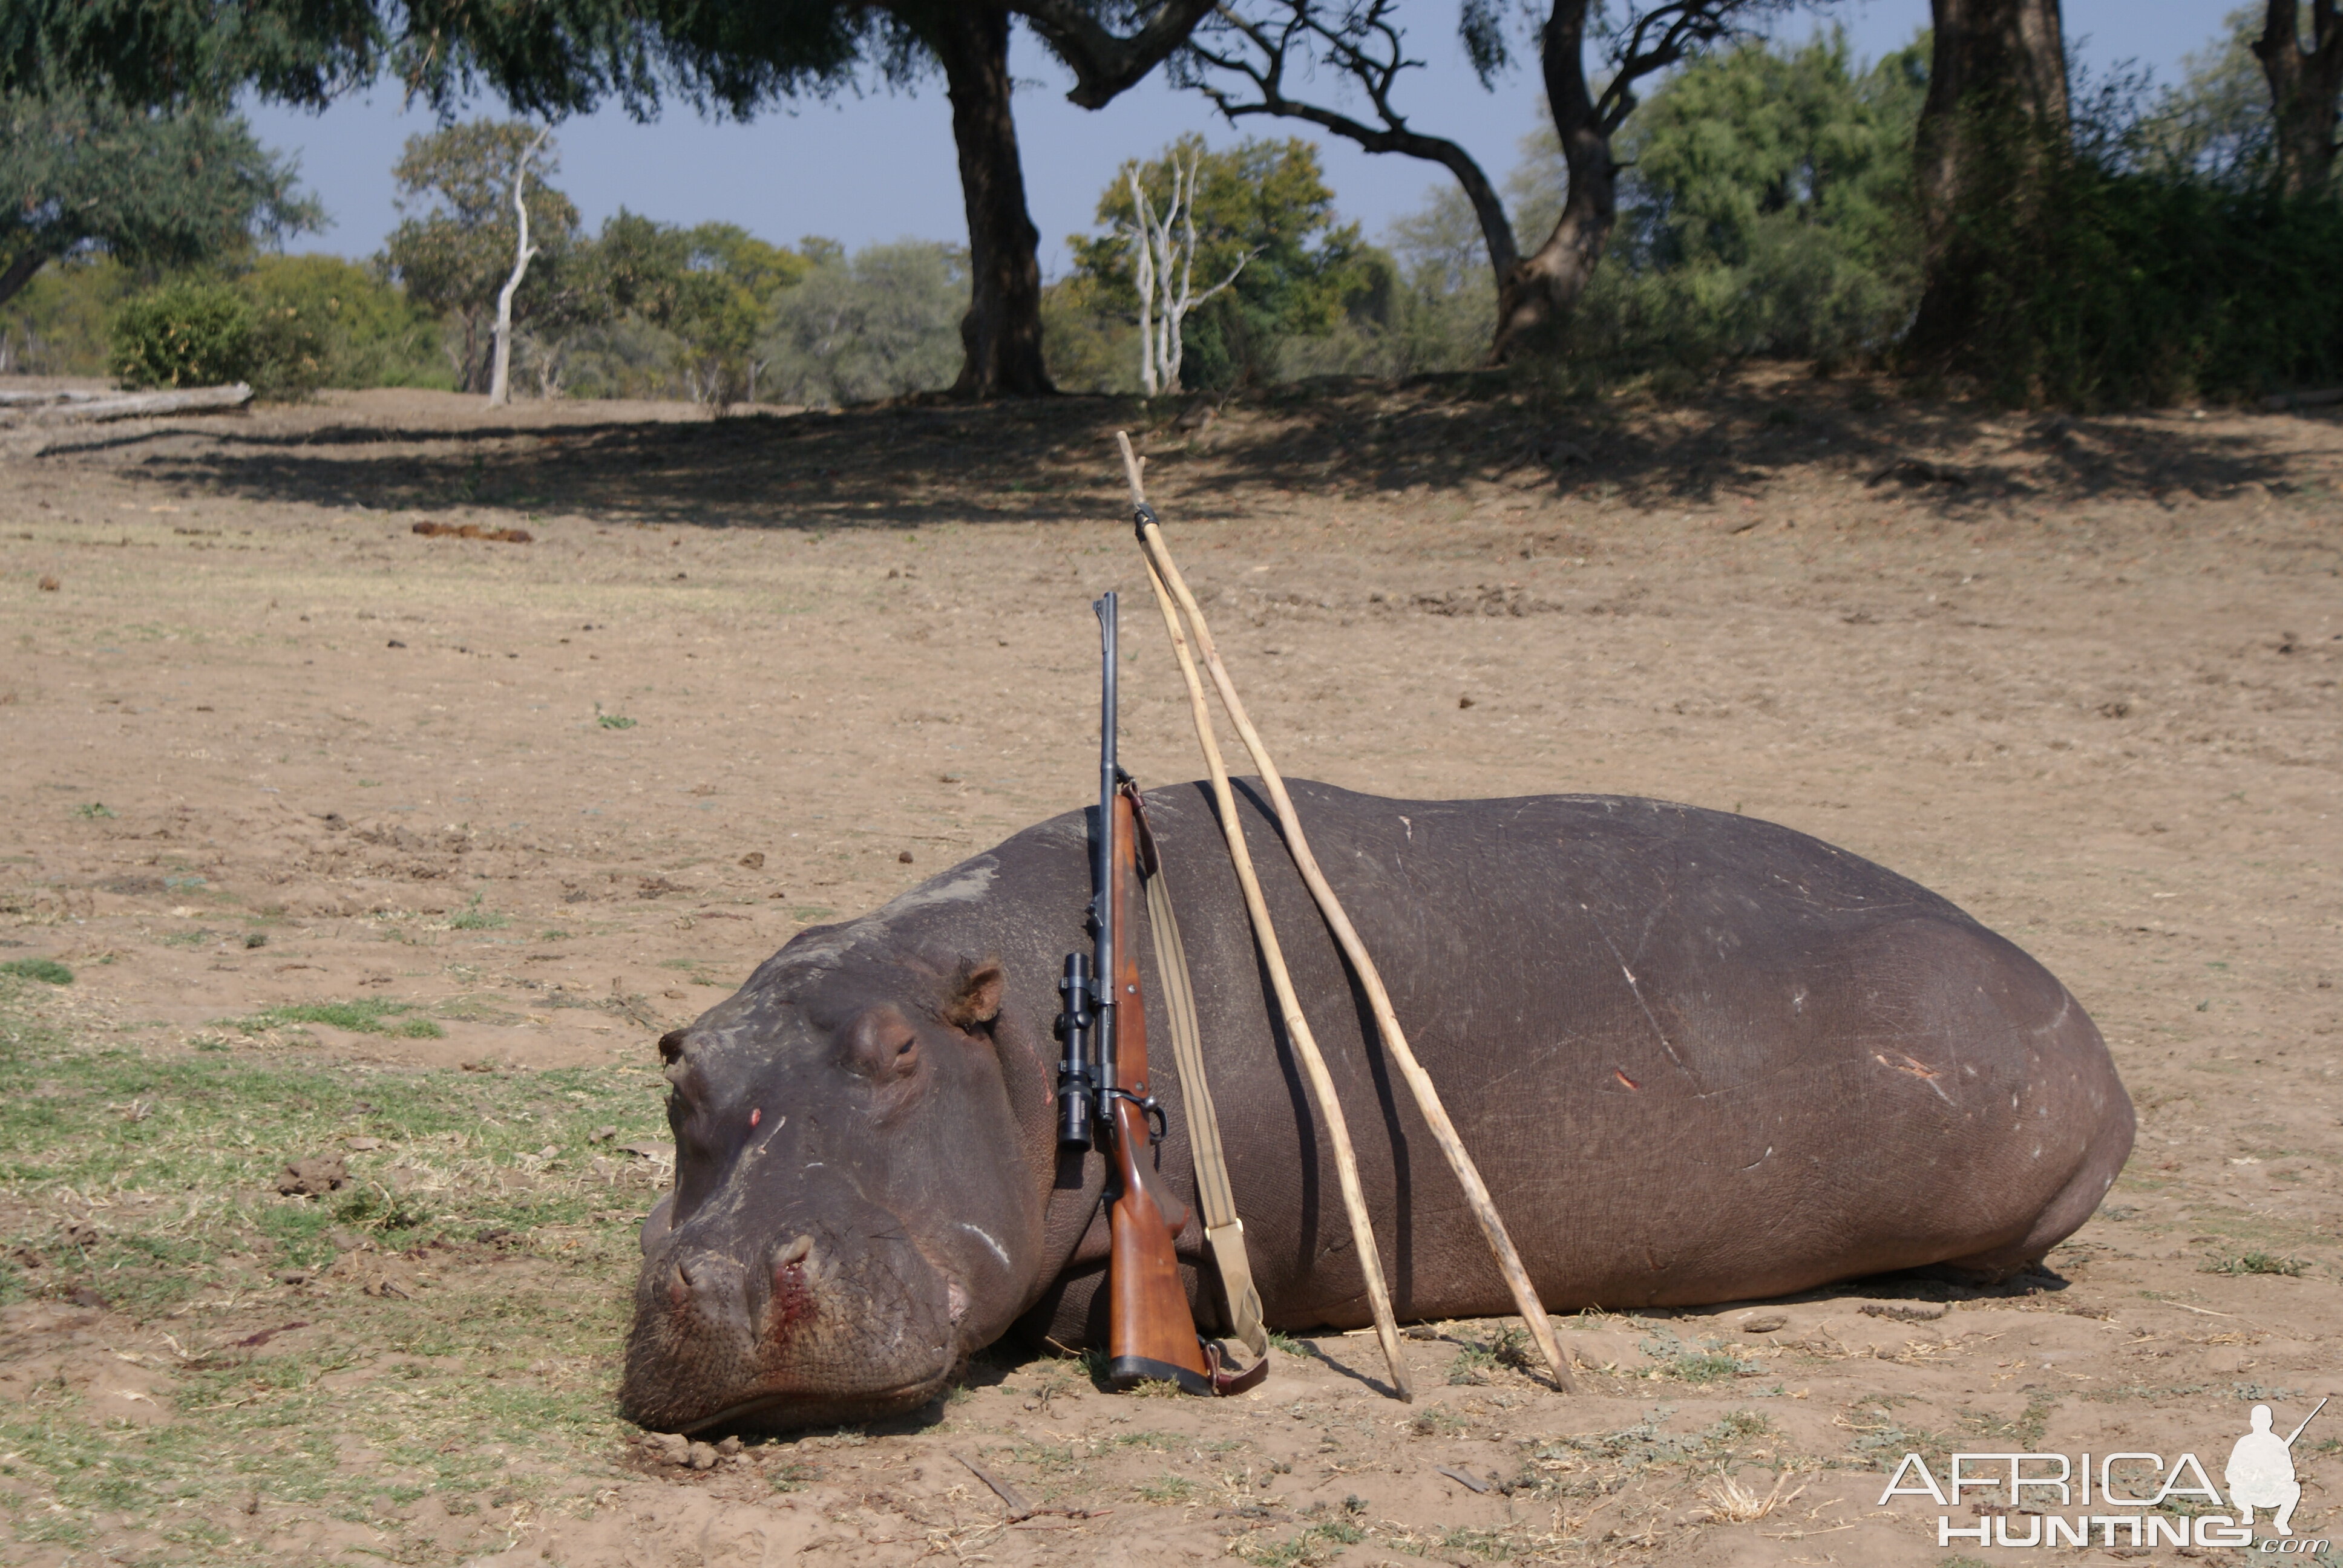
pixel 401 850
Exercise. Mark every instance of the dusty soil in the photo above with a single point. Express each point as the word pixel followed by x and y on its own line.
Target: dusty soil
pixel 262 746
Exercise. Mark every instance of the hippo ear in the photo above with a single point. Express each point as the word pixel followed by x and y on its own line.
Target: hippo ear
pixel 671 1045
pixel 975 998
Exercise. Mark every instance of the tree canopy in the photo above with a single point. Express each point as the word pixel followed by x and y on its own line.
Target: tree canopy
pixel 151 188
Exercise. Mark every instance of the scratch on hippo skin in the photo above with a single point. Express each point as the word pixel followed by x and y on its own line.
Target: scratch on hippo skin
pixel 1635 986
pixel 1761 1159
pixel 1918 1069
pixel 998 1250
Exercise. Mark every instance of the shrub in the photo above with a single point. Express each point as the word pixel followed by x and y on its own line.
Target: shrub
pixel 192 334
pixel 322 321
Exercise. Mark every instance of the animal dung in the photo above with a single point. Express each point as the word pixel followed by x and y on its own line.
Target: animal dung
pixel 473 531
pixel 50 585
pixel 314 1177
pixel 754 860
pixel 905 858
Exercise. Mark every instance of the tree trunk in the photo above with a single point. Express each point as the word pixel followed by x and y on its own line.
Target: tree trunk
pixel 1995 117
pixel 20 273
pixel 2303 83
pixel 500 375
pixel 1002 333
pixel 1535 297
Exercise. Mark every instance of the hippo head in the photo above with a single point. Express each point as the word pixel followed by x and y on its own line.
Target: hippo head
pixel 863 1154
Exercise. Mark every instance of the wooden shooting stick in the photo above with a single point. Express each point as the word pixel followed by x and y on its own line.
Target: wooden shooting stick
pixel 1297 1027
pixel 1163 570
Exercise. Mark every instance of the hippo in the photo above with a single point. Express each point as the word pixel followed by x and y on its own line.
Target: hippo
pixel 1698 1057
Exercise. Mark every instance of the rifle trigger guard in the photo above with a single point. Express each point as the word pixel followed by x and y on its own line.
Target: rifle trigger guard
pixel 1157 1127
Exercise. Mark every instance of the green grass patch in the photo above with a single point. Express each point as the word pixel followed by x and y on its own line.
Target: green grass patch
pixel 1707 1361
pixel 1507 1350
pixel 1321 1542
pixel 483 1384
pixel 2257 1262
pixel 368 1015
pixel 614 721
pixel 91 810
pixel 48 972
pixel 472 918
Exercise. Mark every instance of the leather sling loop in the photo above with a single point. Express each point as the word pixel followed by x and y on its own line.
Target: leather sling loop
pixel 1222 1230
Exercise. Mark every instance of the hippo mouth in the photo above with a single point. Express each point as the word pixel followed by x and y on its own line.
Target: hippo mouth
pixel 823 1329
pixel 787 1410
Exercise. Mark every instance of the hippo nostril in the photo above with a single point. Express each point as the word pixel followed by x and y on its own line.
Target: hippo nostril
pixel 679 1285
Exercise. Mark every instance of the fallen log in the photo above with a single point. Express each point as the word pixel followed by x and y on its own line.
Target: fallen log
pixel 82 409
pixel 2279 402
pixel 34 399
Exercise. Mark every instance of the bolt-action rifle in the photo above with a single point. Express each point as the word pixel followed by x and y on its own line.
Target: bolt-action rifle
pixel 1103 1096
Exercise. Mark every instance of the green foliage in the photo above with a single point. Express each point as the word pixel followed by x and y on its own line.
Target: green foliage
pixel 154 190
pixel 2129 281
pixel 884 324
pixel 48 972
pixel 1088 347
pixel 356 328
pixel 1767 209
pixel 1265 204
pixel 712 288
pixel 188 334
pixel 62 324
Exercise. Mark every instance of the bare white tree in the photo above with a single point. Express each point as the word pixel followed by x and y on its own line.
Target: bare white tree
pixel 1167 272
pixel 501 376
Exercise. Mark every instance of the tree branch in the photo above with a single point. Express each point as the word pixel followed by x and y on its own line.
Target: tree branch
pixel 1345 46
pixel 1105 63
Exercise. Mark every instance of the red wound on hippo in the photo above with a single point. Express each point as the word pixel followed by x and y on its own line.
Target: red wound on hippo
pixel 755 1116
pixel 793 1301
pixel 1622 1078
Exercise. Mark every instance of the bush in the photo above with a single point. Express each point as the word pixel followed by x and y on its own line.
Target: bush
pixel 192 334
pixel 322 321
pixel 2138 287
pixel 884 324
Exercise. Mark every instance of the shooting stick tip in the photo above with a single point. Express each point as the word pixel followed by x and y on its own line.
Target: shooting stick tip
pixel 1132 463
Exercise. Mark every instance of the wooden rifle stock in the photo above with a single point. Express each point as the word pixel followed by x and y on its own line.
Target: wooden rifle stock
pixel 1150 1335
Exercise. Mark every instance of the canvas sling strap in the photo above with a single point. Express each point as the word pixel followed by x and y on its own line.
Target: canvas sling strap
pixel 1223 1232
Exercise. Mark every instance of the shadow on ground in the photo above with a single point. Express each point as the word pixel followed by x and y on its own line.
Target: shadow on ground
pixel 928 461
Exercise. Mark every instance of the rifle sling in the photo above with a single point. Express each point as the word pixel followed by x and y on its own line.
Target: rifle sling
pixel 1224 1230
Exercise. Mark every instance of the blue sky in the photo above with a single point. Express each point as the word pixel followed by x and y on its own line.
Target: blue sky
pixel 882 167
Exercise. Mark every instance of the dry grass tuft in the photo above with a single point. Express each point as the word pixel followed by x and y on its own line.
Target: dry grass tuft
pixel 1730 1503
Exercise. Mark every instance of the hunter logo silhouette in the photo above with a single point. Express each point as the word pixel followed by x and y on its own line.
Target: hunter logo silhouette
pixel 2260 1473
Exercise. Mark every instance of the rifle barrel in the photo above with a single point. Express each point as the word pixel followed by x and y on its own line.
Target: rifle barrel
pixel 1103 868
